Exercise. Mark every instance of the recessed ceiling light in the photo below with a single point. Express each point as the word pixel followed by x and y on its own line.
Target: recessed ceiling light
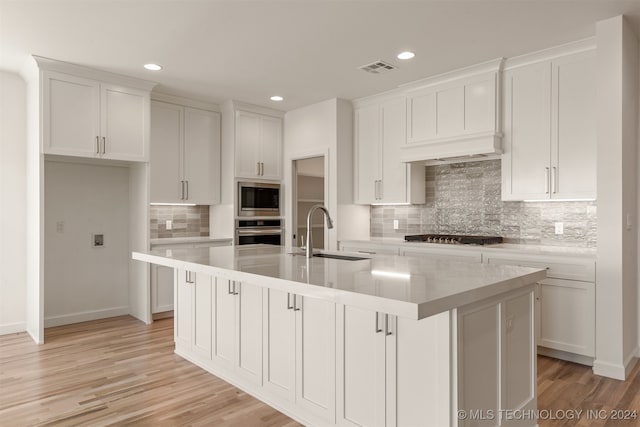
pixel 406 55
pixel 153 67
pixel 276 98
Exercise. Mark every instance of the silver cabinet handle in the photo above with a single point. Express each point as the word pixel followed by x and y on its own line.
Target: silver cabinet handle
pixel 258 168
pixel 380 190
pixel 377 324
pixel 186 197
pixel 229 291
pixel 262 168
pixel 367 252
pixel 182 190
pixel 236 290
pixel 387 329
pixel 104 145
pixel 547 178
pixel 289 306
pixel 97 144
pixel 554 177
pixel 295 303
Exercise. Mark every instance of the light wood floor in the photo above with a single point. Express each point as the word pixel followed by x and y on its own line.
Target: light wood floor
pixel 120 371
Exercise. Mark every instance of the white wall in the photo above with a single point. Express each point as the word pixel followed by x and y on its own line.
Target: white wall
pixel 13 202
pixel 84 282
pixel 616 289
pixel 323 129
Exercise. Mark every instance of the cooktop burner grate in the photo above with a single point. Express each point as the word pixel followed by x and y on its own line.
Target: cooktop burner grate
pixel 453 239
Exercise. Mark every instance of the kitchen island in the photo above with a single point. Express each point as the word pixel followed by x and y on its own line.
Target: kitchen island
pixel 382 340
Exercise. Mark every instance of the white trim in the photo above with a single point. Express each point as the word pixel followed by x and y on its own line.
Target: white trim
pixel 459 146
pixel 630 361
pixel 85 316
pixel 256 109
pixel 185 102
pixel 493 66
pixel 565 355
pixel 13 328
pixel 610 370
pixel 550 53
pixel 91 73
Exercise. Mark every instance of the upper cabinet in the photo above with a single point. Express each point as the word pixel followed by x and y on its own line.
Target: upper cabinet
pixel 185 154
pixel 380 174
pixel 258 146
pixel 455 114
pixel 84 117
pixel 549 128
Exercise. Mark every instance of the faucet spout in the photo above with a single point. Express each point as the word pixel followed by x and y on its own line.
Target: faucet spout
pixel 309 248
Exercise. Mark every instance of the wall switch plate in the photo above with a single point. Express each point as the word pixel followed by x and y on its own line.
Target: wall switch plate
pixel 395 224
pixel 629 221
pixel 60 227
pixel 169 224
pixel 559 228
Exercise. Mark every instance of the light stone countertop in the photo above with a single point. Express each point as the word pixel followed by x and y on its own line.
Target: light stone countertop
pixel 179 240
pixel 511 247
pixel 404 286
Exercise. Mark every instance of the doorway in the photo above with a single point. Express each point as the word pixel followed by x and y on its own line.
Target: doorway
pixel 308 190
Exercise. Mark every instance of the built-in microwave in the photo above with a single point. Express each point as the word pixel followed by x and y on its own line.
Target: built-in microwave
pixel 258 199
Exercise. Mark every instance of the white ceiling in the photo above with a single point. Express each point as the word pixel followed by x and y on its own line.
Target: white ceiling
pixel 304 50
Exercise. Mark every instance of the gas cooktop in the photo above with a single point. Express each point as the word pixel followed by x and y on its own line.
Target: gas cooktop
pixel 453 239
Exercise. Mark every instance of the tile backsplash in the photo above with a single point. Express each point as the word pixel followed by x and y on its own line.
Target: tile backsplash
pixel 464 198
pixel 187 221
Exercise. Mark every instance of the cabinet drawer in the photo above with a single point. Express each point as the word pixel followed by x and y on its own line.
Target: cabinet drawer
pixel 557 267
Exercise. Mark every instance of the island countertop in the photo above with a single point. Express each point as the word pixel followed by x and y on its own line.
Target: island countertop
pixel 404 286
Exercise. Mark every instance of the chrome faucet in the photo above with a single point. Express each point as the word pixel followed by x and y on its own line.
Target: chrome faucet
pixel 309 248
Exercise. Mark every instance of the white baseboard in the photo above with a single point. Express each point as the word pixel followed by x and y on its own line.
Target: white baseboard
pixel 13 328
pixel 84 316
pixel 570 357
pixel 609 370
pixel 630 361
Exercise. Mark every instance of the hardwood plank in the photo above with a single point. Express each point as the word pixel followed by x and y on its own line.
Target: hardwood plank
pixel 117 371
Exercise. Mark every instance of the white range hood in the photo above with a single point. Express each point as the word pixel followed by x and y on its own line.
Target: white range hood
pixel 455 115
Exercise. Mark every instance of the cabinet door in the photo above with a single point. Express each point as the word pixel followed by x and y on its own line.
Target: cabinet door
pixel 279 343
pixel 316 357
pixel 367 154
pixel 71 110
pixel 567 316
pixel 161 288
pixel 124 123
pixel 166 153
pixel 224 323
pixel 361 367
pixel 421 121
pixel 183 321
pixel 573 127
pixel 271 148
pixel 418 371
pixel 394 172
pixel 247 144
pixel 527 114
pixel 202 156
pixel 202 315
pixel 249 331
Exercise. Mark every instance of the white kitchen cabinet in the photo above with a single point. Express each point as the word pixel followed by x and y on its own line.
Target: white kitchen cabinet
pixel 567 316
pixel 258 146
pixel 381 177
pixel 549 129
pixel 238 328
pixel 382 374
pixel 162 277
pixel 299 359
pixel 88 118
pixel 185 154
pixel 192 327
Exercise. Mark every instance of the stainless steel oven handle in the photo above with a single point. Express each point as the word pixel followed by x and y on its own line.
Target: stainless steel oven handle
pixel 257 231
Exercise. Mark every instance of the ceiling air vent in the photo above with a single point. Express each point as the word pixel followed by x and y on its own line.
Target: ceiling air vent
pixel 377 67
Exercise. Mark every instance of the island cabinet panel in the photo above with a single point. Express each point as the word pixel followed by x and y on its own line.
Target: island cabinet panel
pixel 299 352
pixel 496 359
pixel 224 324
pixel 194 305
pixel 249 331
pixel 392 371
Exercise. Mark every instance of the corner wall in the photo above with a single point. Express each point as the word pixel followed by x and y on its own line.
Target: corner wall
pixel 13 202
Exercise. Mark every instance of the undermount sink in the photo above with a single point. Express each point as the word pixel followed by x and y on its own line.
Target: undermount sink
pixel 334 256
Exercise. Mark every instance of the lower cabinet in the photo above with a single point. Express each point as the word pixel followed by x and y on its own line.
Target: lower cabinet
pixel 496 359
pixel 566 316
pixel 192 329
pixel 392 371
pixel 299 358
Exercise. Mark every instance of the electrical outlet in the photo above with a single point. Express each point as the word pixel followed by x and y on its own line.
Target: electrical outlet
pixel 395 224
pixel 629 222
pixel 559 228
pixel 169 224
pixel 60 227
